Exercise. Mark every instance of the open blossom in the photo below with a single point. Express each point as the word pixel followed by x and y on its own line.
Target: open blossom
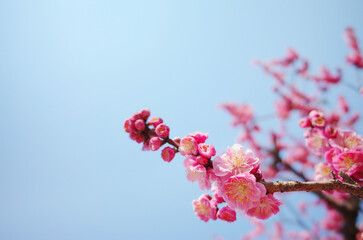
pixel 236 160
pixel 330 154
pixel 204 209
pixel 347 140
pixel 268 205
pixel 322 172
pixel 188 146
pixel 227 214
pixel 242 192
pixel 197 173
pixel 349 162
pixel 317 142
pixel 330 132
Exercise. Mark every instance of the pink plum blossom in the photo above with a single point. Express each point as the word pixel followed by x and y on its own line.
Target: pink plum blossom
pixel 318 122
pixel 197 173
pixel 322 172
pixel 204 209
pixel 242 192
pixel 162 130
pixel 205 150
pixel 227 214
pixel 330 154
pixel 317 142
pixel 330 132
pixel 268 205
pixel 236 160
pixel 348 162
pixel 347 140
pixel 188 146
pixel 168 154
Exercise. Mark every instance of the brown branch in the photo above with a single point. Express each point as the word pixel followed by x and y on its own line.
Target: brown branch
pixel 173 143
pixel 293 186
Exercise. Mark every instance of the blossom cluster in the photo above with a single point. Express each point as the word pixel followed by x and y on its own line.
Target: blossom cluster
pixel 234 177
pixel 342 149
pixel 152 132
pixel 234 174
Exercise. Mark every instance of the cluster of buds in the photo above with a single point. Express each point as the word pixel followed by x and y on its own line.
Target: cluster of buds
pixel 152 132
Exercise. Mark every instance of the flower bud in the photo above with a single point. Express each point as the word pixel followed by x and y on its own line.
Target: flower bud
pixel 155 121
pixel 330 132
pixel 201 160
pixel 168 154
pixel 145 114
pixel 162 130
pixel 227 214
pixel 207 151
pixel 140 124
pixel 155 143
pixel 129 126
pixel 316 113
pixel 304 122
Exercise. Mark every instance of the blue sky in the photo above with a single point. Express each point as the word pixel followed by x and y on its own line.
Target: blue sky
pixel 72 71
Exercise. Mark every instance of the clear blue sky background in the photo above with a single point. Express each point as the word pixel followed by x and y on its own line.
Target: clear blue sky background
pixel 72 71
